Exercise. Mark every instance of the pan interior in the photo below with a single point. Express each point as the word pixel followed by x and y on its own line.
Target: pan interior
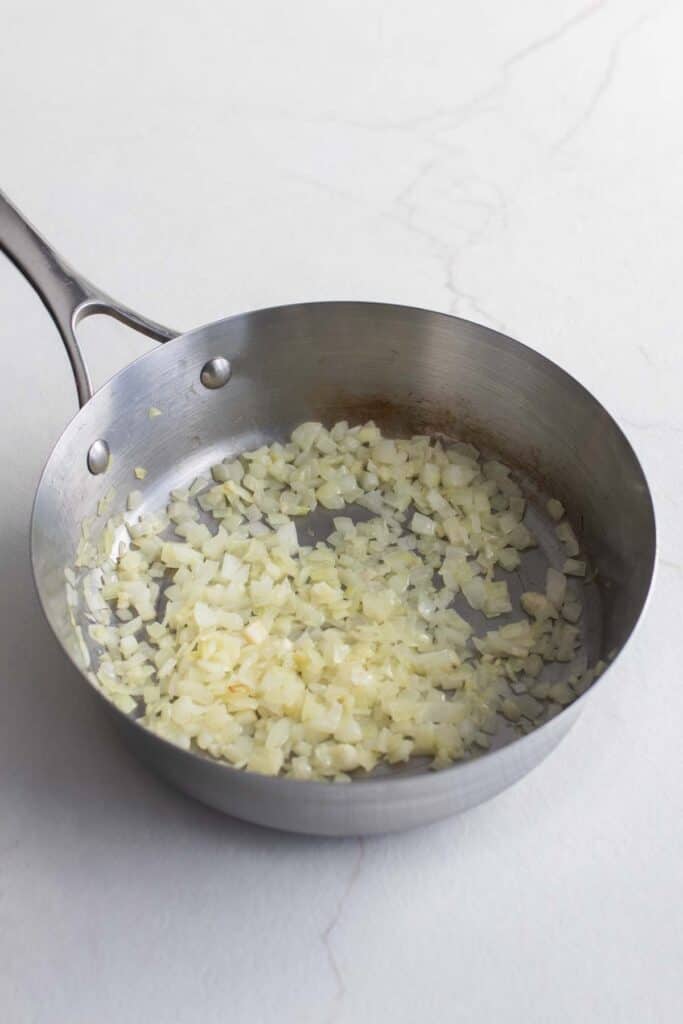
pixel 411 372
pixel 530 576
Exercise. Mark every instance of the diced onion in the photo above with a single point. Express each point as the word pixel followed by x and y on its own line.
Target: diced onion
pixel 555 509
pixel 317 660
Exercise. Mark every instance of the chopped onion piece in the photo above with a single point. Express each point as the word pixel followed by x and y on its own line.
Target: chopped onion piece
pixel 568 538
pixel 555 509
pixel 538 605
pixel 574 567
pixel 572 610
pixel 555 587
pixel 423 525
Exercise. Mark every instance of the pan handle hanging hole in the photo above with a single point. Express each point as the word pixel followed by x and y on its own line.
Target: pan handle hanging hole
pixel 98 457
pixel 216 372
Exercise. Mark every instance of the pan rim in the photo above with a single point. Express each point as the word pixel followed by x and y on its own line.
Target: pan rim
pixel 369 784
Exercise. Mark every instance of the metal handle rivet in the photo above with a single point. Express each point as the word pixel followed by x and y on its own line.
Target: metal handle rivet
pixel 98 457
pixel 216 372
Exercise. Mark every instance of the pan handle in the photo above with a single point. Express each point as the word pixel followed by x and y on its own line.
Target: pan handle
pixel 69 298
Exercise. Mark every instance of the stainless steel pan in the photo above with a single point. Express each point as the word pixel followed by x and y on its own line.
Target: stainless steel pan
pixel 252 378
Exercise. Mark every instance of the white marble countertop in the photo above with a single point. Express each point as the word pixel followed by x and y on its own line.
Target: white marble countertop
pixel 518 164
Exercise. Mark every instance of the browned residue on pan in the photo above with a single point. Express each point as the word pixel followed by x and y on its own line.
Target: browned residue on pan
pixel 419 417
